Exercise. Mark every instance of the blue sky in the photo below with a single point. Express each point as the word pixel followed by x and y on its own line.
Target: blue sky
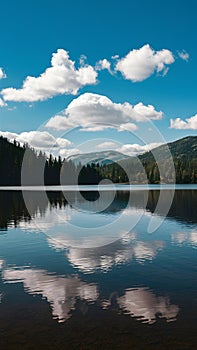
pixel 31 32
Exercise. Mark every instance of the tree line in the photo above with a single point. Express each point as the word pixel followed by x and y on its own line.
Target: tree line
pixel 58 171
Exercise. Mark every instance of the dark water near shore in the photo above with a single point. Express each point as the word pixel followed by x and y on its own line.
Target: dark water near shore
pixel 90 270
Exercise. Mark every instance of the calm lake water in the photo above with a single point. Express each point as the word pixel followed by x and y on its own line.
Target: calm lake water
pixel 98 270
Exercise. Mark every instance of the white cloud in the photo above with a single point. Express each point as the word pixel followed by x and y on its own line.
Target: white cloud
pixel 61 78
pixel 108 145
pixel 140 64
pixel 115 57
pixel 93 112
pixel 188 123
pixel 9 135
pixel 127 127
pixel 42 139
pixel 65 153
pixel 103 64
pixel 37 139
pixel 132 149
pixel 184 55
pixel 82 60
pixel 2 74
pixel 128 149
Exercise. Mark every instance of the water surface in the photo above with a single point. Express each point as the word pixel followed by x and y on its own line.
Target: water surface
pixel 81 270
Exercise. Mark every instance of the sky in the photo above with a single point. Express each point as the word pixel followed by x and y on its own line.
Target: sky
pixel 87 75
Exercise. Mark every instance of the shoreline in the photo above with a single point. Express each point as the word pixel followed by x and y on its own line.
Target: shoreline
pixel 117 187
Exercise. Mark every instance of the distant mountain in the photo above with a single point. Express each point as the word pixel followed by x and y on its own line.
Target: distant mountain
pixel 100 165
pixel 101 158
pixel 120 168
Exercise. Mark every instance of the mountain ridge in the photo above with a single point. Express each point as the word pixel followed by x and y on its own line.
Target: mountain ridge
pixel 101 158
pixel 112 165
pixel 172 146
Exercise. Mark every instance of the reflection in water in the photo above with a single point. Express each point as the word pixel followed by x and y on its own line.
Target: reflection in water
pixel 185 237
pixel 13 209
pixel 183 206
pixel 51 218
pixel 131 279
pixel 145 305
pixel 61 292
pixel 54 215
pixel 1 267
pixel 1 264
pixel 103 258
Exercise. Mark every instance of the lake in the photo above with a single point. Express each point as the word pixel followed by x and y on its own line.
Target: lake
pixel 83 269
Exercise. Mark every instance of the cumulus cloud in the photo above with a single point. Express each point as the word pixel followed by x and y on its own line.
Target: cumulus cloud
pixel 93 112
pixel 103 64
pixel 127 127
pixel 184 55
pixel 37 139
pixel 9 135
pixel 132 149
pixel 61 78
pixel 188 123
pixel 128 149
pixel 2 74
pixel 65 153
pixel 108 145
pixel 140 64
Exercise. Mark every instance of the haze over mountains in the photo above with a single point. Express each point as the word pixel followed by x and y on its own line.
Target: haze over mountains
pixel 101 158
pixel 185 147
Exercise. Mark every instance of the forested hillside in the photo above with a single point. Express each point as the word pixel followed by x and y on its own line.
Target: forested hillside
pixel 11 158
pixel 184 156
pixel 133 169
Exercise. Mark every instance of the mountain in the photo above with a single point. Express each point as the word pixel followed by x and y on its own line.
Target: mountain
pixel 101 158
pixel 177 163
pixel 185 147
pixel 180 149
pixel 100 165
pixel 184 155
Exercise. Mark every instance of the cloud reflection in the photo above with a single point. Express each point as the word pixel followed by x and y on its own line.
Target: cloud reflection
pixel 144 305
pixel 47 220
pixel 103 258
pixel 61 292
pixel 1 264
pixel 180 238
